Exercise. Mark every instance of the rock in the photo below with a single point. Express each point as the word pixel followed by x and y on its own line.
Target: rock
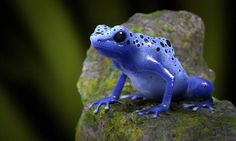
pixel 186 32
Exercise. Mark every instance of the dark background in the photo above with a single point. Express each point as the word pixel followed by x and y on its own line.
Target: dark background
pixel 44 44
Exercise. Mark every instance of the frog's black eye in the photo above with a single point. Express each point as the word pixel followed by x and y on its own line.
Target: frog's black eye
pixel 119 36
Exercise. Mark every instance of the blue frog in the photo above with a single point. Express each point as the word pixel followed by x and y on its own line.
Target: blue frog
pixel 151 65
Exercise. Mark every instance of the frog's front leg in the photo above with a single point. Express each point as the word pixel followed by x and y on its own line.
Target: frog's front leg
pixel 114 98
pixel 156 67
pixel 164 106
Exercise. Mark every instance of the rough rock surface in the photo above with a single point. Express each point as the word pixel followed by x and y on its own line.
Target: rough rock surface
pixel 186 32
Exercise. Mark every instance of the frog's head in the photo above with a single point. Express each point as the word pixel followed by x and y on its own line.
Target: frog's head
pixel 110 42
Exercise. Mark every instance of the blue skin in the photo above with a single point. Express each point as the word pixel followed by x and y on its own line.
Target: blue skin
pixel 152 67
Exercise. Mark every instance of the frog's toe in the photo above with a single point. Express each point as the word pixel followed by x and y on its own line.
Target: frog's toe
pixel 107 107
pixel 134 96
pixel 104 101
pixel 188 106
pixel 144 112
pixel 201 105
pixel 148 111
pixel 90 105
pixel 156 110
pixel 205 104
pixel 97 108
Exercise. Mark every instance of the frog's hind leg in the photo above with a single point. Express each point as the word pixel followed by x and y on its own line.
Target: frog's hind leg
pixel 199 88
pixel 134 96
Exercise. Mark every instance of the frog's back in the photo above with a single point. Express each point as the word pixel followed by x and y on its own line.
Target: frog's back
pixel 159 48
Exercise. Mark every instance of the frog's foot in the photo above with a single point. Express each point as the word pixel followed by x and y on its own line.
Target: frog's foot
pixel 134 96
pixel 104 101
pixel 207 103
pixel 156 110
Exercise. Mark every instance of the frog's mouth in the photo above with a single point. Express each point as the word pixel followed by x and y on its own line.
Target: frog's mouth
pixel 106 51
pixel 98 43
pixel 101 42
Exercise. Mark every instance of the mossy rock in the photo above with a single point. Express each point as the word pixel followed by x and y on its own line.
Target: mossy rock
pixel 186 32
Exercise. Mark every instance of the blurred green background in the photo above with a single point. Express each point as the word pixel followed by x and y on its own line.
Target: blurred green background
pixel 44 45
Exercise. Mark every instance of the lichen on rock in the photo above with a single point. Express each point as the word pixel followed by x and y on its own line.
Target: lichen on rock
pixel 186 32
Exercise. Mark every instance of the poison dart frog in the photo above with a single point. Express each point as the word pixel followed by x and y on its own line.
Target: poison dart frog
pixel 153 69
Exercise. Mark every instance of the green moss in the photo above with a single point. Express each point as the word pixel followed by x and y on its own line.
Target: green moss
pixel 206 130
pixel 187 45
pixel 154 33
pixel 136 28
pixel 91 87
pixel 165 26
pixel 230 120
pixel 122 129
pixel 117 127
pixel 91 58
pixel 186 37
pixel 184 15
pixel 182 125
pixel 154 14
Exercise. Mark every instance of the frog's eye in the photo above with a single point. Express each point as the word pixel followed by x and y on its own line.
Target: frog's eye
pixel 119 36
